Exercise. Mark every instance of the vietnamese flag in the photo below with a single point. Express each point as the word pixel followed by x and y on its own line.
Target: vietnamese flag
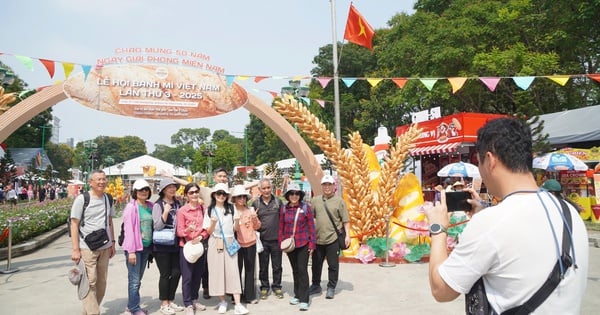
pixel 358 31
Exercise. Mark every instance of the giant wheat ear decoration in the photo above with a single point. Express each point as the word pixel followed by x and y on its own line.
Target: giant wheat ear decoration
pixel 390 174
pixel 367 208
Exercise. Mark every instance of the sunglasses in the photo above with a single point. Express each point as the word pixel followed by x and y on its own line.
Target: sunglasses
pixel 294 193
pixel 221 193
pixel 146 189
pixel 193 192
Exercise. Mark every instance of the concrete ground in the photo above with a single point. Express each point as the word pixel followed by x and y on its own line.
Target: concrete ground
pixel 41 287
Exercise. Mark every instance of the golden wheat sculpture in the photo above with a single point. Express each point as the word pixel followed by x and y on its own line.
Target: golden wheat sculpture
pixel 6 99
pixel 367 207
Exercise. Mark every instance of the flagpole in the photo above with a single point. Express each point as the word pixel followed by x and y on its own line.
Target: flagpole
pixel 336 83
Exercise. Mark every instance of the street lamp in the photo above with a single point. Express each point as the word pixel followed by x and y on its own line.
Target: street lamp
pixel 109 160
pixel 298 92
pixel 187 162
pixel 44 127
pixel 209 151
pixel 89 148
pixel 6 77
pixel 120 167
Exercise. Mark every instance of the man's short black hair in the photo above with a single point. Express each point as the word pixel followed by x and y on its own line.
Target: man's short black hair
pixel 220 169
pixel 509 139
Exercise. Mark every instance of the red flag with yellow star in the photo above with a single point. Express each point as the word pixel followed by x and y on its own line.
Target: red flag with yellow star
pixel 358 31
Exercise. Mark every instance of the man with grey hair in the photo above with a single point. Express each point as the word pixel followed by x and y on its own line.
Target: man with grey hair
pixel 268 207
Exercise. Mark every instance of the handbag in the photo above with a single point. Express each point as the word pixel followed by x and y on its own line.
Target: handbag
pixel 476 302
pixel 341 236
pixel 233 246
pixel 288 245
pixel 259 246
pixel 166 236
pixel 96 239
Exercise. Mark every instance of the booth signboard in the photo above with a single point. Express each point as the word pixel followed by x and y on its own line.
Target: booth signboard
pixel 586 155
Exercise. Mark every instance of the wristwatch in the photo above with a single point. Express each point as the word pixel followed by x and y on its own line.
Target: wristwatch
pixel 436 229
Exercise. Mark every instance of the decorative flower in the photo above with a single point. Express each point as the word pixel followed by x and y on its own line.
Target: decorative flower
pixel 417 228
pixel 450 242
pixel 365 254
pixel 398 250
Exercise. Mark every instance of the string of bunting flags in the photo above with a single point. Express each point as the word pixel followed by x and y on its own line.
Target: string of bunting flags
pixel 523 82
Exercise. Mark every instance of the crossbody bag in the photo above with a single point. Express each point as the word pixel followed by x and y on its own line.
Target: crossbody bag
pixel 341 234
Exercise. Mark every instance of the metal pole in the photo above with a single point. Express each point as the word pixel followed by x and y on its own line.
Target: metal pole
pixel 336 83
pixel 387 262
pixel 8 270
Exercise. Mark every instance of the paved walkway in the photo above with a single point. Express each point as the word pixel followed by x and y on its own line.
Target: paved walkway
pixel 41 287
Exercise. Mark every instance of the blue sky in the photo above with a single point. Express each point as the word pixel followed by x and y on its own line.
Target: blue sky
pixel 262 37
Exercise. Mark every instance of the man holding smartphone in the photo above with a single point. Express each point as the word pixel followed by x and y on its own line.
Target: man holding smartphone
pixel 513 246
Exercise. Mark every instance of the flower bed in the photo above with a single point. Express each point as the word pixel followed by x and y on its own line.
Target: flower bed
pixel 33 219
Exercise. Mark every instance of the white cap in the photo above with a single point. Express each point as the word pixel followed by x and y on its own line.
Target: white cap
pixel 140 184
pixel 327 179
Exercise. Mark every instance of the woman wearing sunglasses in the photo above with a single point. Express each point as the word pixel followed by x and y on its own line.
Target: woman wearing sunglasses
pixel 246 223
pixel 224 272
pixel 297 219
pixel 167 256
pixel 190 221
pixel 137 231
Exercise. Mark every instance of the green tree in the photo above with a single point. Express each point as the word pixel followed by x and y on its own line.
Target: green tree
pixel 189 136
pixel 62 157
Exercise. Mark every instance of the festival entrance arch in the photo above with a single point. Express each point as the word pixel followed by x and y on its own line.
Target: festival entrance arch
pixel 18 115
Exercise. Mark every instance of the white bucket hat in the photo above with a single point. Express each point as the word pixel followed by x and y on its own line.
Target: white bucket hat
pixel 239 190
pixel 192 252
pixel 220 186
pixel 78 276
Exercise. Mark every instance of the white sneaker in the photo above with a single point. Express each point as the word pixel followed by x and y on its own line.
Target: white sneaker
pixel 167 310
pixel 176 307
pixel 222 307
pixel 189 310
pixel 240 310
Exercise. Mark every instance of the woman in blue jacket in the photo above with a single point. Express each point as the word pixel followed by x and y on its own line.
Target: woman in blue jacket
pixel 137 229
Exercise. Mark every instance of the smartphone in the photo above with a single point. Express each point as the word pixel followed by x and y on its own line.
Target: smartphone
pixel 457 201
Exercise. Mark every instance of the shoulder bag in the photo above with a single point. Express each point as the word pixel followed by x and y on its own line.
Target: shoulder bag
pixel 476 302
pixel 165 236
pixel 233 246
pixel 98 238
pixel 340 234
pixel 288 245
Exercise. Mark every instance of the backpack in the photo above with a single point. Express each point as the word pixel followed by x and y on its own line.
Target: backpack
pixel 86 202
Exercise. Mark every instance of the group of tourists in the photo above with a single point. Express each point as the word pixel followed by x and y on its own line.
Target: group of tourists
pixel 210 240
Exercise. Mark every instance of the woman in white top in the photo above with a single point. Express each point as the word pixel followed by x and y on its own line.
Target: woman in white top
pixel 223 268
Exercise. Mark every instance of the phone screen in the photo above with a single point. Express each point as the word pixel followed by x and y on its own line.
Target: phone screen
pixel 457 201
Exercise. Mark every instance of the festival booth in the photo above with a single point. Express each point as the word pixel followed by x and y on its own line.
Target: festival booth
pixel 583 187
pixel 443 141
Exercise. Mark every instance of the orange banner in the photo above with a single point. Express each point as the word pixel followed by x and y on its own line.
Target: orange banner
pixel 156 91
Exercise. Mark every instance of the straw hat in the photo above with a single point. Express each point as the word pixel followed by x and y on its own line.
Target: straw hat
pixel 458 183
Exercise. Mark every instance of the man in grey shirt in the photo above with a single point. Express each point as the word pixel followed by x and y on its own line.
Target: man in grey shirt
pixel 98 215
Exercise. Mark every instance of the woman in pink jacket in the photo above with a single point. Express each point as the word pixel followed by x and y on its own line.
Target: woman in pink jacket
pixel 137 241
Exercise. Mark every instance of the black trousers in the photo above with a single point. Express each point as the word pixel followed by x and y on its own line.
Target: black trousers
pixel 190 277
pixel 299 261
pixel 247 262
pixel 273 252
pixel 331 252
pixel 168 267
